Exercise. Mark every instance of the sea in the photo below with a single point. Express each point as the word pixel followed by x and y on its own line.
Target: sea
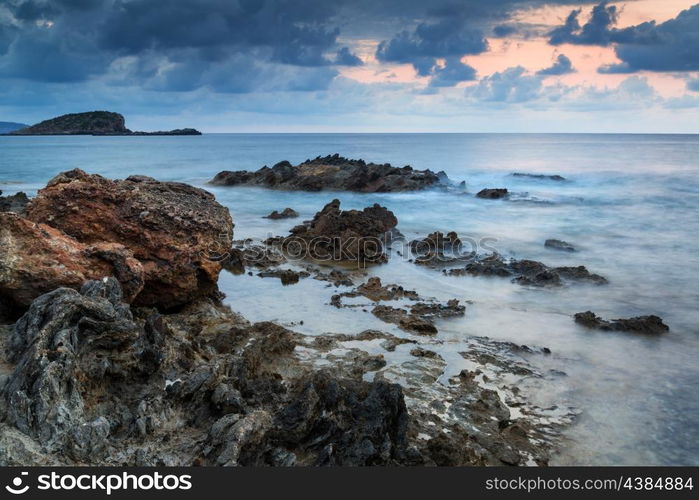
pixel 629 204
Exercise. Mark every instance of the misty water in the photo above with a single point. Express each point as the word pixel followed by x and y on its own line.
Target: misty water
pixel 630 205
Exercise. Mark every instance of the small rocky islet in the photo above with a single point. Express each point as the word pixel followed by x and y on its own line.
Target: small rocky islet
pixel 90 123
pixel 118 350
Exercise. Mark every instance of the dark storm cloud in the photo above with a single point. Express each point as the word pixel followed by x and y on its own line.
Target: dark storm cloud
pixel 453 72
pixel 562 66
pixel 669 46
pixel 450 37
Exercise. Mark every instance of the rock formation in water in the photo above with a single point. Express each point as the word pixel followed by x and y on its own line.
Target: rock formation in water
pixel 559 245
pixel 287 213
pixel 651 324
pixel 334 173
pixel 336 235
pixel 555 177
pixel 91 123
pixel 492 193
pixel 162 240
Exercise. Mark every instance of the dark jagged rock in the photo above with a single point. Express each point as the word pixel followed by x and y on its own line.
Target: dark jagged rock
pixel 439 250
pixel 492 193
pixel 336 235
pixel 557 178
pixel 336 173
pixel 16 203
pixel 559 245
pixel 177 232
pixel 526 272
pixel 287 213
pixel 651 325
pixel 91 123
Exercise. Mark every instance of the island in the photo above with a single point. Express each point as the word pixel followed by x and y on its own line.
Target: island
pixel 91 123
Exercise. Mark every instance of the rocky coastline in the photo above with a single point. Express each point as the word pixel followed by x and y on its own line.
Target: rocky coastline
pixel 116 347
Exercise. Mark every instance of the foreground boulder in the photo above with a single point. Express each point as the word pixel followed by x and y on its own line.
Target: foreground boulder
pixel 652 325
pixel 38 258
pixel 177 232
pixel 334 172
pixel 342 235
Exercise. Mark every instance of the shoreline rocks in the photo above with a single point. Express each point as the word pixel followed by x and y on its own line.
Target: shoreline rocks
pixel 95 381
pixel 650 325
pixel 333 172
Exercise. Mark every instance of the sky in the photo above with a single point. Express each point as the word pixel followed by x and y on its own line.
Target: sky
pixel 356 65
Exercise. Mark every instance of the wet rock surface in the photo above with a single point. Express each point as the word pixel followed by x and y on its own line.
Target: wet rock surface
pixel 651 325
pixel 177 233
pixel 334 172
pixel 492 193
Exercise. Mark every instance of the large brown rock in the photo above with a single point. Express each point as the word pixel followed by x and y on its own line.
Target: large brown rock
pixel 36 259
pixel 177 232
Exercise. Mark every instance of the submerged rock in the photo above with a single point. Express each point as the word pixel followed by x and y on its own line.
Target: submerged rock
pixel 559 245
pixel 336 235
pixel 492 193
pixel 554 177
pixel 334 172
pixel 177 232
pixel 652 325
pixel 287 213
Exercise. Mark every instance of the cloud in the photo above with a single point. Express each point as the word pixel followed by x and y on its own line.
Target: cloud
pixel 562 66
pixel 512 86
pixel 668 46
pixel 345 57
pixel 452 73
pixel 693 84
pixel 449 37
